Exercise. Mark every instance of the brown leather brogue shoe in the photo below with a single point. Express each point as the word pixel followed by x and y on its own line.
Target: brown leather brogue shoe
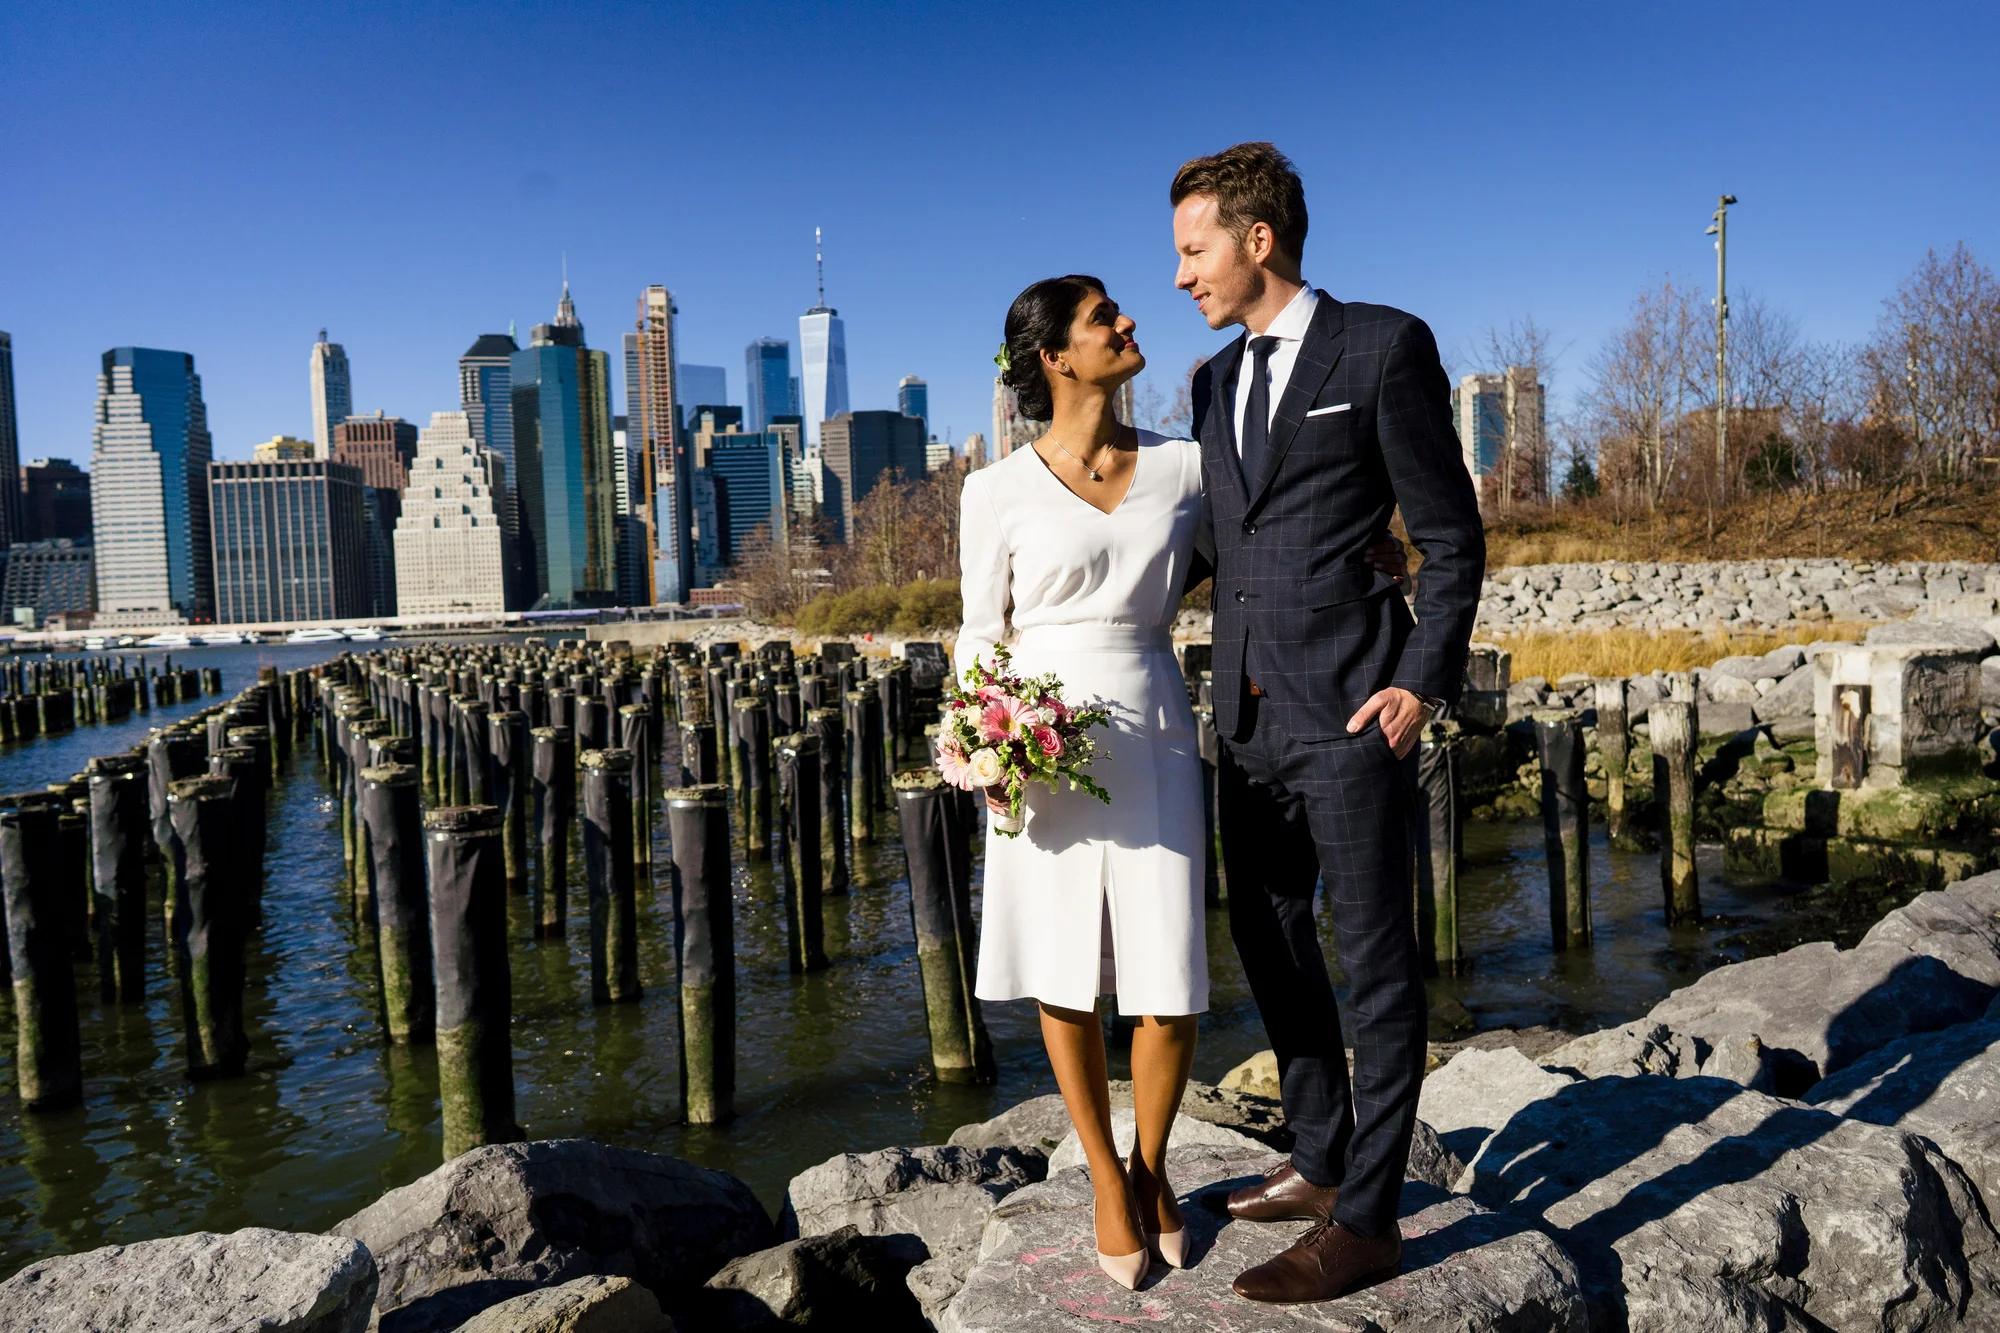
pixel 1326 1262
pixel 1283 1195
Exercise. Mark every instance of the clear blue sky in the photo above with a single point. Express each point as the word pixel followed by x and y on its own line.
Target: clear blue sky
pixel 226 179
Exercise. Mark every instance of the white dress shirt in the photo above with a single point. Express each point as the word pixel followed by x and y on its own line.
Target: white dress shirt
pixel 1289 328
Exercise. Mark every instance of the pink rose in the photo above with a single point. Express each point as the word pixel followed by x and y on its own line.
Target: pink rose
pixel 1051 743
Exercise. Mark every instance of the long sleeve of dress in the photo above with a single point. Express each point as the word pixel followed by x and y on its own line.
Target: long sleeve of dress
pixel 984 569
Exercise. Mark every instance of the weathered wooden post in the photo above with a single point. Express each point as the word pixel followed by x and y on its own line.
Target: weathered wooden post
pixel 939 857
pixel 209 937
pixel 391 810
pixel 698 765
pixel 507 733
pixel 718 712
pixel 118 834
pixel 635 733
pixel 825 726
pixel 73 863
pixel 863 764
pixel 555 802
pixel 238 764
pixel 1437 848
pixel 753 750
pixel 607 862
pixel 477 747
pixel 1565 825
pixel 799 797
pixel 475 990
pixel 593 730
pixel 699 819
pixel 48 1058
pixel 1672 724
pixel 1613 750
pixel 170 756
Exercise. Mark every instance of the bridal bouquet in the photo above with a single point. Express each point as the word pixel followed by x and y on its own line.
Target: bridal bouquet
pixel 1005 730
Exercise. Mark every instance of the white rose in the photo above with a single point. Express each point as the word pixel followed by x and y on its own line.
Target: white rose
pixel 985 766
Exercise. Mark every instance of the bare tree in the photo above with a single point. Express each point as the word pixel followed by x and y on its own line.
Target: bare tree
pixel 1643 382
pixel 1934 364
pixel 1524 355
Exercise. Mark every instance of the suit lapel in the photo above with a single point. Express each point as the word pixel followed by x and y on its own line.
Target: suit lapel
pixel 1319 352
pixel 1219 430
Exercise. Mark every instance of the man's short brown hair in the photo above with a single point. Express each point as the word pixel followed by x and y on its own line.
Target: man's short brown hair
pixel 1250 183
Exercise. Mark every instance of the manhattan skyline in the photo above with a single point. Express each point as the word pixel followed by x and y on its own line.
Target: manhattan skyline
pixel 1471 171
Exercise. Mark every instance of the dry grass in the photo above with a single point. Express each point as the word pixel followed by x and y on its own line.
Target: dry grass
pixel 1553 654
pixel 1963 524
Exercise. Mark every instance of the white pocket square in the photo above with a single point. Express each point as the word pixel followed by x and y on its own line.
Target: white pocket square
pixel 1326 411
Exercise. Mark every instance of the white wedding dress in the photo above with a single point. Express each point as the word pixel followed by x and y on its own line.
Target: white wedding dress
pixel 1094 899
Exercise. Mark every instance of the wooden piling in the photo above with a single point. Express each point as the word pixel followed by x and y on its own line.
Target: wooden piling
pixel 1565 825
pixel 799 802
pixel 475 994
pixel 119 834
pixel 48 1059
pixel 1614 751
pixel 391 809
pixel 210 937
pixel 512 765
pixel 1672 727
pixel 607 861
pixel 699 819
pixel 555 803
pixel 938 855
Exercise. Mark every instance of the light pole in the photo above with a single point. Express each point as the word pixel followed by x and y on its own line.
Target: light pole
pixel 1719 229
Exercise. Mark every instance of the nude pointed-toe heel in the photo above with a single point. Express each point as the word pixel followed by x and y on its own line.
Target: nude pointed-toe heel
pixel 1124 1269
pixel 1169 1247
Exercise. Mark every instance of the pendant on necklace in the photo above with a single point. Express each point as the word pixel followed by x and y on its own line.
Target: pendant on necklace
pixel 1094 474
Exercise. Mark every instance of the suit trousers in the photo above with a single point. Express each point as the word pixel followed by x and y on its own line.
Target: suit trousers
pixel 1296 812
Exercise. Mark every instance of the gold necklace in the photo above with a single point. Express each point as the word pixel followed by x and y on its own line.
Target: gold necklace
pixel 1088 470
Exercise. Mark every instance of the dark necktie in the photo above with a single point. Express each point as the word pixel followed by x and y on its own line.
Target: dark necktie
pixel 1257 417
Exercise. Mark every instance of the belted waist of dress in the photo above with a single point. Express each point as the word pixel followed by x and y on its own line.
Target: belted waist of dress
pixel 1098 637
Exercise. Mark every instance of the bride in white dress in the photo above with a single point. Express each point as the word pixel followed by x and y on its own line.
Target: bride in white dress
pixel 1085 541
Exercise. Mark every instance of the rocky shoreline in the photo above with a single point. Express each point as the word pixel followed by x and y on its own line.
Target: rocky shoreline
pixel 1806 1140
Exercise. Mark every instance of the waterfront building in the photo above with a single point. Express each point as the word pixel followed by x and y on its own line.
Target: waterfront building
pixel 285 449
pixel 47 578
pixel 381 447
pixel 653 426
pixel 822 357
pixel 913 399
pixel 448 536
pixel 857 451
pixel 54 501
pixel 11 520
pixel 767 382
pixel 290 541
pixel 563 472
pixel 149 478
pixel 1011 430
pixel 332 392
pixel 486 396
pixel 1486 409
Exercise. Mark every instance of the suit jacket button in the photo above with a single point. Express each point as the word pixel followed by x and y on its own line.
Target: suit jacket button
pixel 1249 529
pixel 1239 594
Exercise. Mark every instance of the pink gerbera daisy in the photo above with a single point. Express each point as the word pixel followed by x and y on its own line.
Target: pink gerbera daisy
pixel 952 767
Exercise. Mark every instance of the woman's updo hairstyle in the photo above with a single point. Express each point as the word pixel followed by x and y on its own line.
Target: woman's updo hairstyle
pixel 1038 322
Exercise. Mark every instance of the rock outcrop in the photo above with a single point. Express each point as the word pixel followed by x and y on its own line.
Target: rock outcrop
pixel 843 1280
pixel 1466 1269
pixel 585 1305
pixel 1187 1132
pixel 272 1281
pixel 507 1218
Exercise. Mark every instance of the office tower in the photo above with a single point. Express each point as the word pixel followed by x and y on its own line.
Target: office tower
pixel 381 447
pixel 46 578
pixel 767 382
pixel 149 480
pixel 1011 430
pixel 332 392
pixel 448 538
pixel 857 452
pixel 488 402
pixel 707 386
pixel 653 423
pixel 801 473
pixel 975 452
pixel 10 447
pixel 55 501
pixel 822 357
pixel 290 541
pixel 1484 408
pixel 704 421
pixel 563 473
pixel 744 473
pixel 937 456
pixel 285 449
pixel 913 399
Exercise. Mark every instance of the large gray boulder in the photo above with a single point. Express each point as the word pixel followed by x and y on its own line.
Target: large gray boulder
pixel 1471 1098
pixel 1647 1047
pixel 1186 1132
pixel 1792 696
pixel 1038 1123
pixel 1465 1269
pixel 840 1281
pixel 586 1305
pixel 1696 1203
pixel 1043 1122
pixel 1958 925
pixel 272 1281
pixel 939 1195
pixel 1943 1085
pixel 507 1218
pixel 1936 634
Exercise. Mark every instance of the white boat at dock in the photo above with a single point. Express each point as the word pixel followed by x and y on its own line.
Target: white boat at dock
pixel 364 635
pixel 315 636
pixel 168 640
pixel 221 640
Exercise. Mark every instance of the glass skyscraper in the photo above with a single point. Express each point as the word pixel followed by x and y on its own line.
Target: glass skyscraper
pixel 822 358
pixel 767 382
pixel 10 450
pixel 486 397
pixel 332 392
pixel 697 387
pixel 149 479
pixel 564 470
pixel 913 399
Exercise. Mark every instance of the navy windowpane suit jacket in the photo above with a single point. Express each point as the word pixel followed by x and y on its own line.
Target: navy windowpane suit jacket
pixel 1363 426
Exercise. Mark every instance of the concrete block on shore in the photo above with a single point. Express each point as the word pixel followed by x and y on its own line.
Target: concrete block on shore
pixel 273 1281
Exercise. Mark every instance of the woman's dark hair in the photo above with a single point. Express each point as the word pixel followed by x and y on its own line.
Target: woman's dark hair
pixel 1038 322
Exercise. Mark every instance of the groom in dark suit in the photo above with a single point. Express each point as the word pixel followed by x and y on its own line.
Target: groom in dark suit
pixel 1316 424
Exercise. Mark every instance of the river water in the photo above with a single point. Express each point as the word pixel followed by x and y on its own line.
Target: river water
pixel 329 1116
